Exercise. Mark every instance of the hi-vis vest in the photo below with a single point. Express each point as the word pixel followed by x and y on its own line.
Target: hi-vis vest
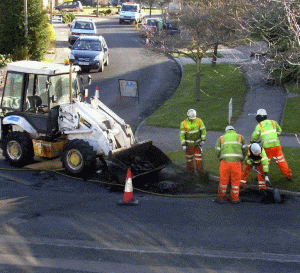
pixel 231 147
pixel 268 131
pixel 192 132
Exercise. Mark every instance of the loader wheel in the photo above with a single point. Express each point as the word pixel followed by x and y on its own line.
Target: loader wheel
pixel 78 158
pixel 18 149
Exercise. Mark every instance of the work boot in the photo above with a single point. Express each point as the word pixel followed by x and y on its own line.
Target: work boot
pixel 219 200
pixel 236 202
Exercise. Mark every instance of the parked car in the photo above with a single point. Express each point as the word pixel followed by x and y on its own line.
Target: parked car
pixel 90 52
pixel 81 27
pixel 70 6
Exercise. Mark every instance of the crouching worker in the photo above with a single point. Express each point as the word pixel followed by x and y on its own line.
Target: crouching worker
pixel 231 150
pixel 256 159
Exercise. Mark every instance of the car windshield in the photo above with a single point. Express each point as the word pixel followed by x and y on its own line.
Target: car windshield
pixel 151 23
pixel 129 8
pixel 87 45
pixel 84 25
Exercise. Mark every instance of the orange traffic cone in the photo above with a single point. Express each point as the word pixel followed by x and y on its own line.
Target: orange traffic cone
pixel 128 199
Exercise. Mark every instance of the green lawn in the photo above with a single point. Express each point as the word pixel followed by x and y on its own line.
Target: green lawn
pixel 218 85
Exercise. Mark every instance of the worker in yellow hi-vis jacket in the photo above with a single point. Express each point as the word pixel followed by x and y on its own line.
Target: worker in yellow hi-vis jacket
pixel 192 138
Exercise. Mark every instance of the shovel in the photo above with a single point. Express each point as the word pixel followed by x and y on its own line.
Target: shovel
pixel 275 191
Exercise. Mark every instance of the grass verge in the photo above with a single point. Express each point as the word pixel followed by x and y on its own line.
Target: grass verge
pixel 218 85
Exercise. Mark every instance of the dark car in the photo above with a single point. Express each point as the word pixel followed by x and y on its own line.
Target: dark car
pixel 70 6
pixel 89 52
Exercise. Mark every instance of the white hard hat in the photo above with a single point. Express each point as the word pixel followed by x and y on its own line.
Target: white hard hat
pixel 191 114
pixel 255 149
pixel 229 127
pixel 261 112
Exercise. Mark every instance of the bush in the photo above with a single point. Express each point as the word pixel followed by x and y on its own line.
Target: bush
pixel 67 17
pixel 107 11
pixel 4 60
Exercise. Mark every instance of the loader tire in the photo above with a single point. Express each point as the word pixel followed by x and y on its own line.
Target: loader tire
pixel 78 158
pixel 18 149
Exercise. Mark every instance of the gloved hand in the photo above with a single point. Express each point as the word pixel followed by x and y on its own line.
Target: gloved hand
pixel 202 142
pixel 184 148
pixel 267 179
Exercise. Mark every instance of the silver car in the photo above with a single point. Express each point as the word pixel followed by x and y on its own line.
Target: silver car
pixel 81 27
pixel 90 52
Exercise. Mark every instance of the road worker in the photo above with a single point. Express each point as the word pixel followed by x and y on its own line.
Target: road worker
pixel 231 150
pixel 268 131
pixel 256 159
pixel 192 138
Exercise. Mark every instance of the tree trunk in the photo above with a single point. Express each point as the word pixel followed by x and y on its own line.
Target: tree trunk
pixel 214 58
pixel 198 79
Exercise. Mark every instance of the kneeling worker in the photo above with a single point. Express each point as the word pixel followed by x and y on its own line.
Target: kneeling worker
pixel 256 158
pixel 232 149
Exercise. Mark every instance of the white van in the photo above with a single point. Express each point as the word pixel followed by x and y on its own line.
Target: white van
pixel 131 12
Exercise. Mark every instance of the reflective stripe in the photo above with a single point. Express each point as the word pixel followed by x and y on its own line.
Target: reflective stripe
pixel 236 155
pixel 270 141
pixel 192 132
pixel 269 131
pixel 193 141
pixel 232 142
pixel 223 186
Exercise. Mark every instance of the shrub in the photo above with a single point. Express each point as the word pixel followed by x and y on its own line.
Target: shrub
pixel 4 60
pixel 67 17
pixel 107 11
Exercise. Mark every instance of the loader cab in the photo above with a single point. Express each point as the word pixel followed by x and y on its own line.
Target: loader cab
pixel 35 91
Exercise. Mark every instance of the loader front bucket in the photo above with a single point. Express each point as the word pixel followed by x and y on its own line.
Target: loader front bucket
pixel 143 158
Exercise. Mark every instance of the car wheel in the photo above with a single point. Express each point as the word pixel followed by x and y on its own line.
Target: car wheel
pixel 18 149
pixel 101 69
pixel 107 62
pixel 78 158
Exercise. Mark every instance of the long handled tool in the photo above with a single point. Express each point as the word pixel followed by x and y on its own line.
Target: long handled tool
pixel 275 191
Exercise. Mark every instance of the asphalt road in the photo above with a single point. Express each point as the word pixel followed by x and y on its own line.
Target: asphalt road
pixel 157 76
pixel 53 223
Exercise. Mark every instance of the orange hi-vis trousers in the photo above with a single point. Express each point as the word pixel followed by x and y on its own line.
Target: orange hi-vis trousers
pixel 246 170
pixel 191 153
pixel 276 153
pixel 229 172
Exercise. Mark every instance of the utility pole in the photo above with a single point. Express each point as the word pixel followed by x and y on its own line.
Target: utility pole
pixel 26 27
pixel 25 18
pixel 51 6
pixel 97 8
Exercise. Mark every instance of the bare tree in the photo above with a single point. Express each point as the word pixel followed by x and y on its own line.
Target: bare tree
pixel 276 22
pixel 151 4
pixel 204 25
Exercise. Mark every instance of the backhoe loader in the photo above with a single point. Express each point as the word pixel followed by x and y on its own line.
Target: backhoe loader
pixel 44 113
